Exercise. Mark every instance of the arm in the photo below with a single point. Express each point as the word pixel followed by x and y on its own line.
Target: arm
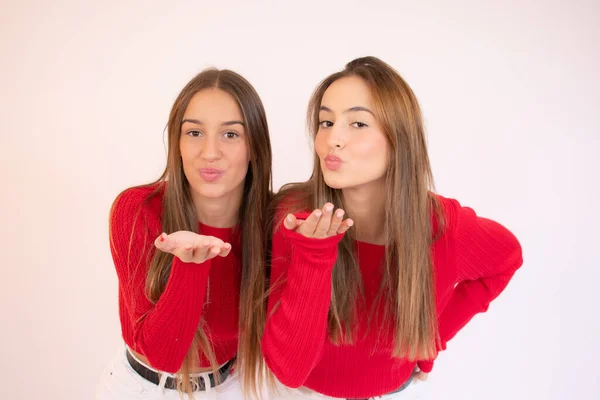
pixel 296 328
pixel 487 256
pixel 162 332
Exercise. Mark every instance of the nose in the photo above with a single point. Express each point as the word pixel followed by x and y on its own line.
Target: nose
pixel 211 149
pixel 337 137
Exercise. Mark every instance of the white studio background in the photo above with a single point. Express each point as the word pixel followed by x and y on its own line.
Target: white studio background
pixel 510 94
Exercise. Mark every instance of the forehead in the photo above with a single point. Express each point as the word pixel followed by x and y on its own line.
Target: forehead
pixel 213 105
pixel 346 93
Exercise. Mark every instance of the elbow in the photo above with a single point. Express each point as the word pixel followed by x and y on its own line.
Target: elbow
pixel 170 366
pixel 289 382
pixel 160 358
pixel 292 378
pixel 515 258
pixel 508 248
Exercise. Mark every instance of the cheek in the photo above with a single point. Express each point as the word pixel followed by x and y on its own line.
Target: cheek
pixel 185 156
pixel 321 144
pixel 373 150
pixel 369 147
pixel 240 158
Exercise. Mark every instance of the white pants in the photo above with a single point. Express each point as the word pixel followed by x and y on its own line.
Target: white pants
pixel 416 390
pixel 119 382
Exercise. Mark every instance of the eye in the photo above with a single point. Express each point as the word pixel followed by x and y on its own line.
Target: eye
pixel 194 133
pixel 231 135
pixel 325 124
pixel 358 124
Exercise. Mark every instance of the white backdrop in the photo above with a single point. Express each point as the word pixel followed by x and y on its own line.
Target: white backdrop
pixel 509 90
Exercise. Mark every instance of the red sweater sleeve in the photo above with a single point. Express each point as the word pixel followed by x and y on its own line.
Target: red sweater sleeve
pixel 296 328
pixel 162 332
pixel 487 256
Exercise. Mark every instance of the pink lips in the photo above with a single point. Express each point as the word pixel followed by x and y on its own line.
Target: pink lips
pixel 332 162
pixel 210 174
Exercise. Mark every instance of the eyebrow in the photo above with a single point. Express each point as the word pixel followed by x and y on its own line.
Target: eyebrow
pixel 226 123
pixel 351 109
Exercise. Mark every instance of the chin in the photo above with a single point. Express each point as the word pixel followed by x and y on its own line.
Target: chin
pixel 210 192
pixel 335 183
pixel 212 195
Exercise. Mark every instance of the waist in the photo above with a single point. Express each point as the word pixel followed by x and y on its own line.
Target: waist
pixel 224 345
pixel 357 377
pixel 199 382
pixel 193 370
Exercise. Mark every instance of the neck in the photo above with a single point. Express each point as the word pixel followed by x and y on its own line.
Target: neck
pixel 219 212
pixel 365 204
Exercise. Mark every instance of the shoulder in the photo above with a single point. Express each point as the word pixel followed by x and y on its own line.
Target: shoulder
pixel 467 227
pixel 445 214
pixel 454 216
pixel 292 198
pixel 140 202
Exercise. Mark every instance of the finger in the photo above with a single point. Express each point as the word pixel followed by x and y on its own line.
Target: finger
pixel 220 246
pixel 344 226
pixel 324 222
pixel 212 241
pixel 200 253
pixel 174 241
pixel 212 252
pixel 225 249
pixel 307 228
pixel 184 253
pixel 207 247
pixel 203 242
pixel 336 221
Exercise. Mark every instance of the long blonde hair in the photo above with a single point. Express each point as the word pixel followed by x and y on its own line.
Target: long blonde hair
pixel 408 279
pixel 179 214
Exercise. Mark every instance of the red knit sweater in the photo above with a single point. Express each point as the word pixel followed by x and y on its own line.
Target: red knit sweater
pixel 163 332
pixel 477 255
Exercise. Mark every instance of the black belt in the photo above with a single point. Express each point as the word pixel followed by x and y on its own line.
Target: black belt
pixel 171 383
pixel 401 388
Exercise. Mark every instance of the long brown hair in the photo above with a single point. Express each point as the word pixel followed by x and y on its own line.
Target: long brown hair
pixel 408 279
pixel 178 213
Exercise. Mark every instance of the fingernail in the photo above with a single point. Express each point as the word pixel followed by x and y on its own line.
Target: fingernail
pixel 350 223
pixel 329 207
pixel 318 213
pixel 339 213
pixel 289 218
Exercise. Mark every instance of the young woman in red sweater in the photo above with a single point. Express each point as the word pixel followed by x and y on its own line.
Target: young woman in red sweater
pixel 360 306
pixel 189 250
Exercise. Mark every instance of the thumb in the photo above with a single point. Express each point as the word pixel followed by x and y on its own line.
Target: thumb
pixel 160 242
pixel 290 222
pixel 422 376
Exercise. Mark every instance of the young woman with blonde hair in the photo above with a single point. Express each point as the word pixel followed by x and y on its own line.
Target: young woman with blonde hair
pixel 360 306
